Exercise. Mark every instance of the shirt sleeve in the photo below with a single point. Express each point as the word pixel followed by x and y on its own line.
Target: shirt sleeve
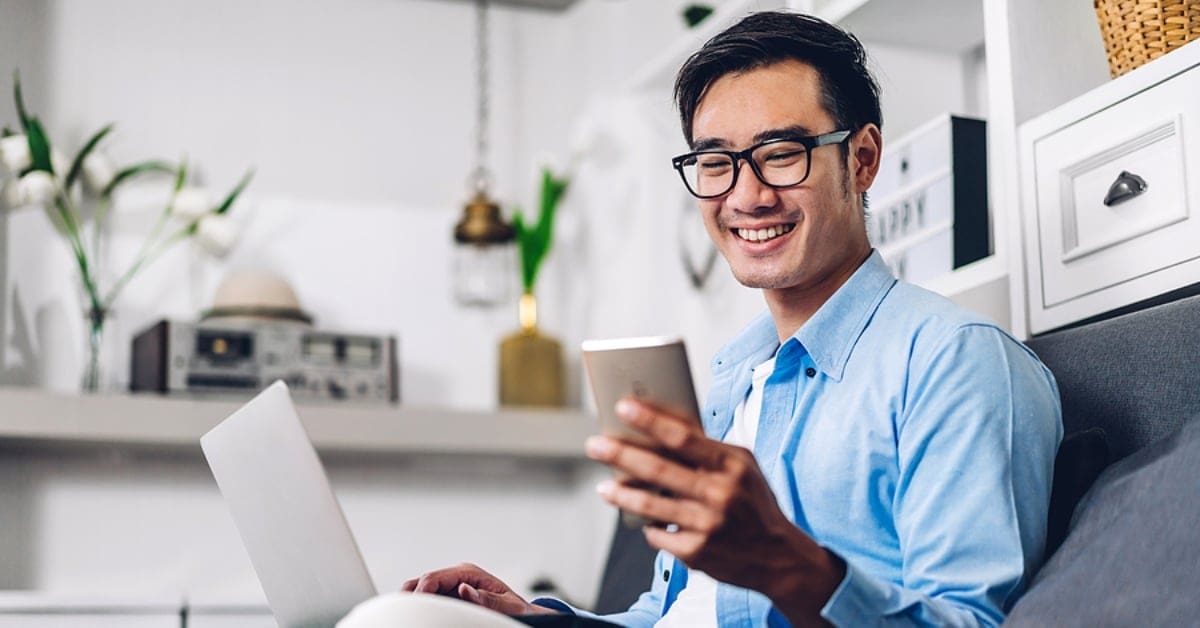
pixel 644 612
pixel 976 441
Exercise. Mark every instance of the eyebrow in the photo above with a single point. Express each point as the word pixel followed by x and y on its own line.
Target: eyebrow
pixel 714 143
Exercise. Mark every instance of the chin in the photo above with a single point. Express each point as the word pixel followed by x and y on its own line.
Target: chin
pixel 762 281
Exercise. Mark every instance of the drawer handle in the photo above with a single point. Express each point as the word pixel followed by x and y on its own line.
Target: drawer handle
pixel 1127 186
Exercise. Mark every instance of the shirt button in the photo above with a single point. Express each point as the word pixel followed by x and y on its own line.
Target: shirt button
pixel 810 371
pixel 666 575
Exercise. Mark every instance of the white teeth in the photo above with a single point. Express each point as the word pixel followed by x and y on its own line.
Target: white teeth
pixel 760 235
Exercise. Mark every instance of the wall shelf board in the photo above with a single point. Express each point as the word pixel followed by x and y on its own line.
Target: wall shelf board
pixel 659 73
pixel 38 418
pixel 953 27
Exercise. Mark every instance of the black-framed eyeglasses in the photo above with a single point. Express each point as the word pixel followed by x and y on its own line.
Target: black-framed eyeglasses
pixel 778 162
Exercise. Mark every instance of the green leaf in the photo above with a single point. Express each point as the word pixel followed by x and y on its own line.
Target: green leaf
pixel 534 242
pixel 237 190
pixel 136 170
pixel 693 14
pixel 525 248
pixel 17 96
pixel 77 165
pixel 181 175
pixel 6 132
pixel 39 147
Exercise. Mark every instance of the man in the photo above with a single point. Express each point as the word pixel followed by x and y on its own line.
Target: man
pixel 902 447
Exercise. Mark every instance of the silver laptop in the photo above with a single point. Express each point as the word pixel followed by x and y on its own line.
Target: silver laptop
pixel 290 522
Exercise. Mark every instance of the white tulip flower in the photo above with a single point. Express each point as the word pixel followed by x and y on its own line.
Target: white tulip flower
pixel 10 195
pixel 217 234
pixel 14 152
pixel 192 203
pixel 59 162
pixel 37 188
pixel 98 171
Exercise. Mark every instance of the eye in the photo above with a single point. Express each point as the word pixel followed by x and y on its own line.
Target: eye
pixel 713 164
pixel 783 155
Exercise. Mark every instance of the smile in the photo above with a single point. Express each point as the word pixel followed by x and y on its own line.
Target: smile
pixel 762 235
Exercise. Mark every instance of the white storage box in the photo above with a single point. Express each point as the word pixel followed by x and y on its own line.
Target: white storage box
pixel 928 210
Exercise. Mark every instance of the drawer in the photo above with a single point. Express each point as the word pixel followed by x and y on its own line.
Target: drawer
pixel 1087 254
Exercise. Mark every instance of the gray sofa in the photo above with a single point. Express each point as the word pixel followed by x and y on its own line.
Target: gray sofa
pixel 1124 533
pixel 1130 548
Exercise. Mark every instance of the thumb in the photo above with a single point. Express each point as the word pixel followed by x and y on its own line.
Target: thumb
pixel 475 596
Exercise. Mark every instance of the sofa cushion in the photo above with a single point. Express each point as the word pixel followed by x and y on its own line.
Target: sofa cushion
pixel 1135 375
pixel 1133 554
pixel 1081 457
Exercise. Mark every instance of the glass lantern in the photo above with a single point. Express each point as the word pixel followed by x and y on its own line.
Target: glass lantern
pixel 484 257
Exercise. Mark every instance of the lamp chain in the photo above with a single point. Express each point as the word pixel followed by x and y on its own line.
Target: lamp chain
pixel 481 175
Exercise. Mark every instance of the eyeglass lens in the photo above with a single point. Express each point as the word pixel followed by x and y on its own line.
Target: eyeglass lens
pixel 778 164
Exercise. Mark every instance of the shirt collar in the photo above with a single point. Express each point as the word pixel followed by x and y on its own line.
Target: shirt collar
pixel 832 332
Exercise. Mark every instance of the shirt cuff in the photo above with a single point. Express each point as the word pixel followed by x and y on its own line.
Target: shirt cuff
pixel 858 601
pixel 554 605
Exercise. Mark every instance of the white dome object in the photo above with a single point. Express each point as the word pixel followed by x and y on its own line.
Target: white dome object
pixel 390 610
pixel 256 294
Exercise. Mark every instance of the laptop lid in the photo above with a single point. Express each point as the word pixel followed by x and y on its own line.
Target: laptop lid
pixel 284 508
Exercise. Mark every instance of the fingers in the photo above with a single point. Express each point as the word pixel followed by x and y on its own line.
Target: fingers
pixel 684 513
pixel 681 544
pixel 646 466
pixel 475 596
pixel 681 438
pixel 447 581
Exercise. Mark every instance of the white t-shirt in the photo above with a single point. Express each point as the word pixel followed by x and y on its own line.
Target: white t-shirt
pixel 696 606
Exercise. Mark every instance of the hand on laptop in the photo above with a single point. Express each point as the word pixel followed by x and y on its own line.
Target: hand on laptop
pixel 470 583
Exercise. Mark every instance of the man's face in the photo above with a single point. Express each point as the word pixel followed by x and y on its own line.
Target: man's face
pixel 818 224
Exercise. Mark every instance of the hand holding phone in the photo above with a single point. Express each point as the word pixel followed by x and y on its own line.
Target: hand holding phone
pixel 650 369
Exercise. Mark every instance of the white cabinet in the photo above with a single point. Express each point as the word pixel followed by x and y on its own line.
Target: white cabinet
pixel 1025 60
pixel 1108 185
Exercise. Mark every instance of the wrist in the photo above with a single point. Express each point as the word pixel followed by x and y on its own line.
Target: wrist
pixel 802 588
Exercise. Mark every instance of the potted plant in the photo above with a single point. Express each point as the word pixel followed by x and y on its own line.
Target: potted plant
pixel 40 178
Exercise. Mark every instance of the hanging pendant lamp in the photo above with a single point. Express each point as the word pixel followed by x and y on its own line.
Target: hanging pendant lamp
pixel 484 256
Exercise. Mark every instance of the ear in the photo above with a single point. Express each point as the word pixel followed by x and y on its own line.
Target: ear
pixel 866 149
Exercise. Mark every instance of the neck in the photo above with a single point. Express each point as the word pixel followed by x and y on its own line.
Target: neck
pixel 792 307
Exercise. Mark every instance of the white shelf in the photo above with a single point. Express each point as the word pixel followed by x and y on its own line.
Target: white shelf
pixel 30 417
pixel 660 72
pixel 954 26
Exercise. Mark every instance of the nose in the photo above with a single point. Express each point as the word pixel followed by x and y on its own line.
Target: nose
pixel 749 194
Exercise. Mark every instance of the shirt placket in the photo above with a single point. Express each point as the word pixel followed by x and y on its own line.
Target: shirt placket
pixel 736 607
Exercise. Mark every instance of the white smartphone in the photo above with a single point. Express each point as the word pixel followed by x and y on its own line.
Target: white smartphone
pixel 652 369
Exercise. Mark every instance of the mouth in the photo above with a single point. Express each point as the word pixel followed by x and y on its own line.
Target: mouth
pixel 765 234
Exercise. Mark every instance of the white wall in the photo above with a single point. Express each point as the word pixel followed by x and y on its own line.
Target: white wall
pixel 918 85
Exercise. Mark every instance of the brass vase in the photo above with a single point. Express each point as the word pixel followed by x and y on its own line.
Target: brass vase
pixel 531 364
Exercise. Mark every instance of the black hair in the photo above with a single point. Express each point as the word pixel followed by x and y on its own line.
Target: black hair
pixel 849 92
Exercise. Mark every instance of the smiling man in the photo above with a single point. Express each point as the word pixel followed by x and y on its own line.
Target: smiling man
pixel 871 454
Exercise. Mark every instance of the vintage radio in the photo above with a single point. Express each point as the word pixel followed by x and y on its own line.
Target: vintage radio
pixel 213 359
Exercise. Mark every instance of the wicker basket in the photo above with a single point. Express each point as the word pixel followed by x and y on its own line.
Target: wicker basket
pixel 1136 31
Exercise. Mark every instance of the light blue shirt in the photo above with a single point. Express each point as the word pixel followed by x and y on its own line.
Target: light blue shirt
pixel 912 438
